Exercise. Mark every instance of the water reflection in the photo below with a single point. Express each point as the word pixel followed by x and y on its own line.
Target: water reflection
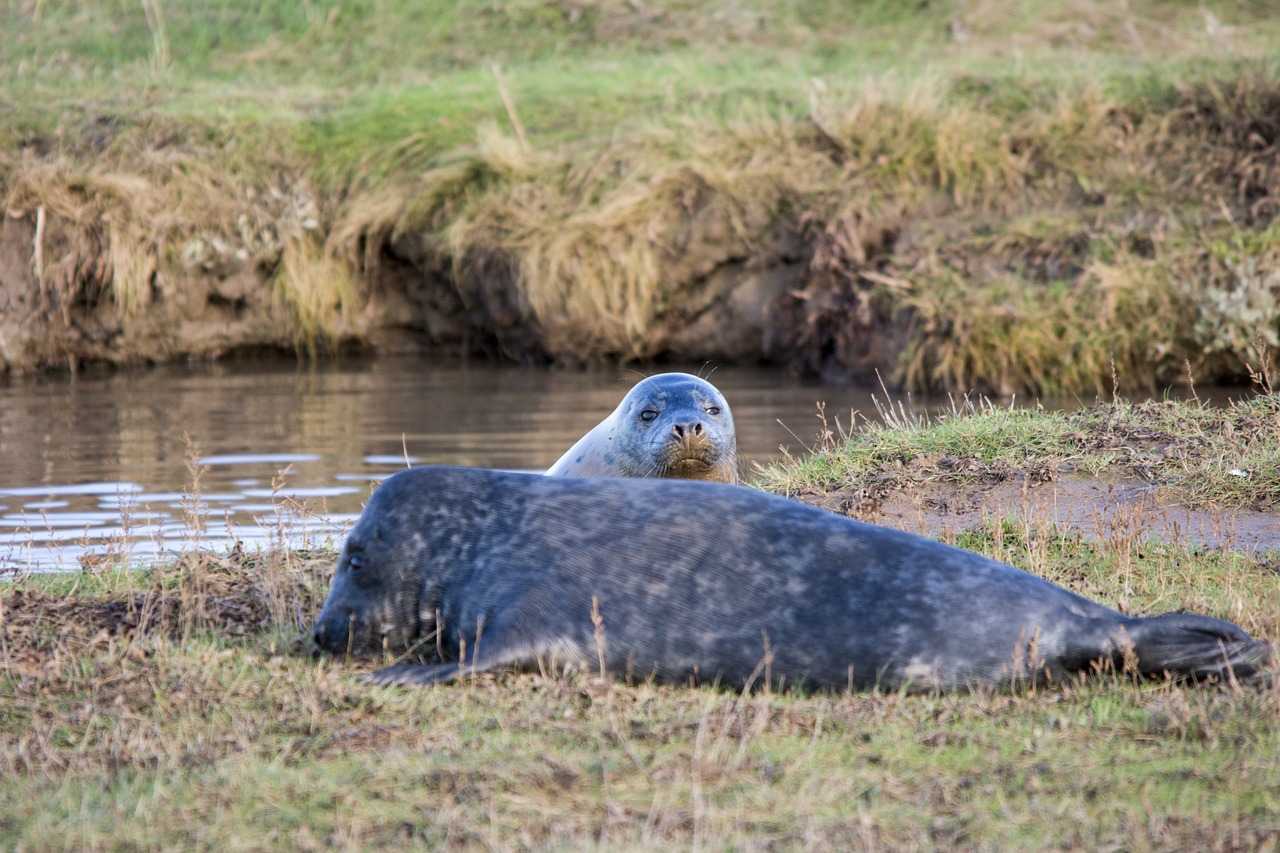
pixel 140 463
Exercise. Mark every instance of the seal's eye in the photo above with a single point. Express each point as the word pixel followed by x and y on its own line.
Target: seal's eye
pixel 713 410
pixel 355 562
pixel 648 415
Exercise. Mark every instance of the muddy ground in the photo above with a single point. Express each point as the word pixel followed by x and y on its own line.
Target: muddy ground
pixel 1113 511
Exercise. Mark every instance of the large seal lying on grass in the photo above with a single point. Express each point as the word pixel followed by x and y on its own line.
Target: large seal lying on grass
pixel 670 425
pixel 682 582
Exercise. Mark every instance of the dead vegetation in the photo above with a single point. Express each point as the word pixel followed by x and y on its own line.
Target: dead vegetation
pixel 180 708
pixel 121 244
pixel 977 225
pixel 953 247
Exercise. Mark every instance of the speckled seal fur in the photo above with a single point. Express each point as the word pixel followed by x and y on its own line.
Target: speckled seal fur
pixel 670 425
pixel 708 583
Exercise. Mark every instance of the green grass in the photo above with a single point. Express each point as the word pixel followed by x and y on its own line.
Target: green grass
pixel 1195 454
pixel 385 71
pixel 1012 197
pixel 201 730
pixel 352 70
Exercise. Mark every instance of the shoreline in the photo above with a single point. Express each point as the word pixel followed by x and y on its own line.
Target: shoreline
pixel 1000 207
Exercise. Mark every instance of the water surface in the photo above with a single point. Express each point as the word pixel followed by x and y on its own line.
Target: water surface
pixel 146 462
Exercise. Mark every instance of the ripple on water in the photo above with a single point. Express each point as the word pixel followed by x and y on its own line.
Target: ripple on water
pixel 388 459
pixel 72 489
pixel 257 458
pixel 172 499
pixel 73 519
pixel 292 492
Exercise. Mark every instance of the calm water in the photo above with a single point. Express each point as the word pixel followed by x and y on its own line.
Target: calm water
pixel 102 463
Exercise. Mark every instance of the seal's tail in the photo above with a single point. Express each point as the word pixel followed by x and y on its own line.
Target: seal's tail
pixel 1199 648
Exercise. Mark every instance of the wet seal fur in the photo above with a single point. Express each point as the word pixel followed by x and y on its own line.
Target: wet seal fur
pixel 670 425
pixel 701 582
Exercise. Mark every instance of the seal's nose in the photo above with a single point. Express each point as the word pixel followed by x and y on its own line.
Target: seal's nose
pixel 691 428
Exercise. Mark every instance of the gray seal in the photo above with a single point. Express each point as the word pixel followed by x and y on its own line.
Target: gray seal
pixel 707 583
pixel 670 425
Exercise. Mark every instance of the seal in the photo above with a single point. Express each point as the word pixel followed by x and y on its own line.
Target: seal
pixel 670 425
pixel 687 582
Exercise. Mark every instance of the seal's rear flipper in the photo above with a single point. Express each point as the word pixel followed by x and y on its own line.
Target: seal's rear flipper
pixel 1198 648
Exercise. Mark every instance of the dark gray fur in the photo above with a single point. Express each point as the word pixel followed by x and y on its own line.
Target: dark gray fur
pixel 715 583
pixel 673 425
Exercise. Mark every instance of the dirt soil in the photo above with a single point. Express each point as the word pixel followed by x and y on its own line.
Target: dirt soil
pixel 1098 509
pixel 58 308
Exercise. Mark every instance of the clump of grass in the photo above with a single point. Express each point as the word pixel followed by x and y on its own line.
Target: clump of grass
pixel 1151 306
pixel 1020 336
pixel 593 238
pixel 982 432
pixel 108 253
pixel 1194 454
pixel 1197 456
pixel 319 289
pixel 127 227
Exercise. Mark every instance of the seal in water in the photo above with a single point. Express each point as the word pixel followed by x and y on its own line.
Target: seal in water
pixel 703 582
pixel 669 425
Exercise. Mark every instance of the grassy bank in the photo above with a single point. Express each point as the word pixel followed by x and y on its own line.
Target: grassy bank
pixel 961 196
pixel 177 706
pixel 1186 453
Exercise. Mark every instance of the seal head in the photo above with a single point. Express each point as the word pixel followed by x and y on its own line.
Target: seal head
pixel 673 425
pixel 385 594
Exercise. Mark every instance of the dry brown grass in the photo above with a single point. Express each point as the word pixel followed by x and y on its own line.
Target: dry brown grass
pixel 1015 253
pixel 956 217
pixel 318 287
pixel 179 710
pixel 595 237
pixel 145 219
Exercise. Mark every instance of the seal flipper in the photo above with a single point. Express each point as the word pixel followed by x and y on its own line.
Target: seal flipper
pixel 1196 647
pixel 412 674
pixel 498 647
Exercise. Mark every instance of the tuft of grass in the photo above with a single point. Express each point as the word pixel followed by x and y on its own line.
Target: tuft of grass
pixel 319 289
pixel 1192 453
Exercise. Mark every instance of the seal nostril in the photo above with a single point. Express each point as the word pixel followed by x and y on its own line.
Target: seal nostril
pixel 697 429
pixel 678 430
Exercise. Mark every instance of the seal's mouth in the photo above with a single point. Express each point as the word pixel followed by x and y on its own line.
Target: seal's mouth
pixel 355 629
pixel 347 637
pixel 694 465
pixel 689 469
pixel 387 642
